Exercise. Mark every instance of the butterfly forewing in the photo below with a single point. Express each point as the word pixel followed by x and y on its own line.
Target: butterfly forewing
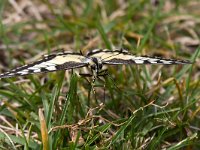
pixel 124 57
pixel 105 53
pixel 131 59
pixel 53 62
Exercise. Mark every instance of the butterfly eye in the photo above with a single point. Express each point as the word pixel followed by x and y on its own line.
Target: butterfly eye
pixel 93 67
pixel 100 66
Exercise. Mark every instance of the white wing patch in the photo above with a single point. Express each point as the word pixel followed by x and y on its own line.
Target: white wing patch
pixel 51 68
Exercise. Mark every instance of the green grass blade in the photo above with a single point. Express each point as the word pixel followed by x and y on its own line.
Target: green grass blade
pixel 70 96
pixel 103 34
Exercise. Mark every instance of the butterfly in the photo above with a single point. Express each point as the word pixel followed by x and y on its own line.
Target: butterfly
pixel 94 60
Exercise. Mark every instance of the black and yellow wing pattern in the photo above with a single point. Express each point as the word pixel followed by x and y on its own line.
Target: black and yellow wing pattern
pixel 122 56
pixel 50 63
pixel 94 60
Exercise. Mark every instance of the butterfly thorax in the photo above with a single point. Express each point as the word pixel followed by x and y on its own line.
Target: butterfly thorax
pixel 95 65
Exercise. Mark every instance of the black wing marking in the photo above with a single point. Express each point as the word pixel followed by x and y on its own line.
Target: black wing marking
pixel 106 53
pixel 53 62
pixel 121 56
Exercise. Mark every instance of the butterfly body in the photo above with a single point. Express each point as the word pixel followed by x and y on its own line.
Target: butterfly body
pixel 95 60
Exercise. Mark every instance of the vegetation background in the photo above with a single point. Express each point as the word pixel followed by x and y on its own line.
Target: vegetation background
pixel 136 107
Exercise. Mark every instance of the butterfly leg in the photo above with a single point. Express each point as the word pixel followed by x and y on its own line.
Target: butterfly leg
pixel 85 75
pixel 104 85
pixel 91 83
pixel 114 82
pixel 103 73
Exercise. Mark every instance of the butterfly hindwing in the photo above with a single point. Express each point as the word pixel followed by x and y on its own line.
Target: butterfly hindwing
pixel 53 62
pixel 122 56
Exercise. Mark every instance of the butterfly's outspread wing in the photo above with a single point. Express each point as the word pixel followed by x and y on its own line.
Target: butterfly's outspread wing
pixel 94 59
pixel 122 56
pixel 53 62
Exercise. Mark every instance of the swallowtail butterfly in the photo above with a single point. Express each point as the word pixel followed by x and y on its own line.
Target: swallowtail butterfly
pixel 94 60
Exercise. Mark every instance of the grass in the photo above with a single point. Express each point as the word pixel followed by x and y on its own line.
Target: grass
pixel 137 107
